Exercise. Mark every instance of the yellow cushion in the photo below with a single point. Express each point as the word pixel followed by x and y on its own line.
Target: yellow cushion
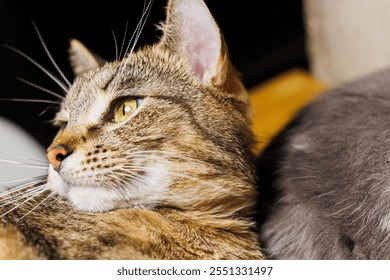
pixel 275 102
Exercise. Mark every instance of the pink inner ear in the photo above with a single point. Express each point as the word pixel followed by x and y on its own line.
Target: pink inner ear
pixel 200 38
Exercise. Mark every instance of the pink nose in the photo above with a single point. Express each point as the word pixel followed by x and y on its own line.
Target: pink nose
pixel 56 155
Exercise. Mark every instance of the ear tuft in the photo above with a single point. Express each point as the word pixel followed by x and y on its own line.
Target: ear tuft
pixel 81 59
pixel 191 31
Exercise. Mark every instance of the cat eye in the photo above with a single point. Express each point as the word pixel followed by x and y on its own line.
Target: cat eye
pixel 125 109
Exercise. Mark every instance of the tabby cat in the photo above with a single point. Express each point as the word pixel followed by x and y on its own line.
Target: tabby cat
pixel 152 159
pixel 326 177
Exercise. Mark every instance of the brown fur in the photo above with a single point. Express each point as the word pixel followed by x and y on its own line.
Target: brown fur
pixel 60 232
pixel 200 200
pixel 13 244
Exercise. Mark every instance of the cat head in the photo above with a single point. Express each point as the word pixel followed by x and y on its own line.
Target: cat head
pixel 167 125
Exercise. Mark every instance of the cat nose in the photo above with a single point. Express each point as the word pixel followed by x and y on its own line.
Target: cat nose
pixel 56 155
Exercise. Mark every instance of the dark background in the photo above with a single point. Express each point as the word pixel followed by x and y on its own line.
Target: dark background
pixel 264 39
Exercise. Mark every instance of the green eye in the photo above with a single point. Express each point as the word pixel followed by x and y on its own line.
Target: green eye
pixel 125 109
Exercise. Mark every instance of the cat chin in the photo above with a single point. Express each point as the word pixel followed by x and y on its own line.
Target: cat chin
pixel 101 199
pixel 92 199
pixel 89 199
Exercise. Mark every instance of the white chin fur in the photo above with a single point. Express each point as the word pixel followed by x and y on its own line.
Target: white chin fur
pixel 100 199
pixel 92 199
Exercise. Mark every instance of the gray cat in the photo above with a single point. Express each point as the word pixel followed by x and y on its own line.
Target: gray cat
pixel 326 177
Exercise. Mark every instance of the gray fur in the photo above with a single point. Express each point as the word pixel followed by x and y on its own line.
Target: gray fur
pixel 333 177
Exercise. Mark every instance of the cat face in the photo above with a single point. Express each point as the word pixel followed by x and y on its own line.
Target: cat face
pixel 161 126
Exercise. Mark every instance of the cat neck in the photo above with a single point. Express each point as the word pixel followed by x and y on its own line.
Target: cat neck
pixel 222 197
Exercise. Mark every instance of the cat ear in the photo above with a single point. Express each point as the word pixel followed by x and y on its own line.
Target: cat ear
pixel 191 31
pixel 81 59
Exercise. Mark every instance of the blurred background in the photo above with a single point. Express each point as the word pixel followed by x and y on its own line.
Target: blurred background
pixel 265 38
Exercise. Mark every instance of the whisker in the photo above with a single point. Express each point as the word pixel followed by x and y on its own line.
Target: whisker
pixel 153 152
pixel 124 39
pixel 137 33
pixel 116 44
pixel 49 55
pixel 19 180
pixel 48 108
pixel 40 88
pixel 133 175
pixel 156 154
pixel 143 20
pixel 17 195
pixel 22 163
pixel 36 206
pixel 139 27
pixel 115 173
pixel 29 100
pixel 23 157
pixel 24 202
pixel 178 174
pixel 122 183
pixel 40 67
pixel 55 200
pixel 24 166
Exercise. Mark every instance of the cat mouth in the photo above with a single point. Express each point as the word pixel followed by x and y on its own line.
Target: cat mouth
pixel 88 198
pixel 87 195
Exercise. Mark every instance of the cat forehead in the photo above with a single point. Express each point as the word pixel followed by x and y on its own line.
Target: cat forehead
pixel 89 93
pixel 146 68
pixel 145 73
